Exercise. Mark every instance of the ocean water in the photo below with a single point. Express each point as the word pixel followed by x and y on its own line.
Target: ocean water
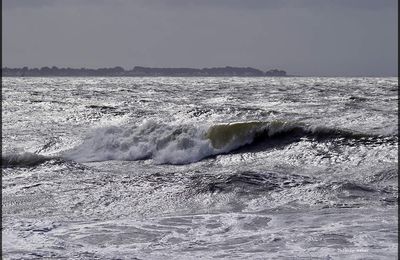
pixel 200 168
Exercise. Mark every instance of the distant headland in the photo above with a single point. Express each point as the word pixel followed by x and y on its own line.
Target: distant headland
pixel 141 72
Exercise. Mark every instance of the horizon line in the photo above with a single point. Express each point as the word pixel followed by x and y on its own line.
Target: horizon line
pixel 195 68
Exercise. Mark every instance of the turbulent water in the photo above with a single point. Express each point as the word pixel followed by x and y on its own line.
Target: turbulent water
pixel 200 168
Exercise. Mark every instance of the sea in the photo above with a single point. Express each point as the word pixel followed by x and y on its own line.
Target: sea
pixel 199 168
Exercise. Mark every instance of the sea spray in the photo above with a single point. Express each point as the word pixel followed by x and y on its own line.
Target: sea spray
pixel 182 144
pixel 161 142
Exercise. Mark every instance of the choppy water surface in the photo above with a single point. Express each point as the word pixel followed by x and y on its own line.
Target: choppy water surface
pixel 200 168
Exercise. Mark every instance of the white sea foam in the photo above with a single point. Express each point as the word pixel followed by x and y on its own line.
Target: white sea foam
pixel 175 144
pixel 161 142
pixel 181 144
pixel 317 185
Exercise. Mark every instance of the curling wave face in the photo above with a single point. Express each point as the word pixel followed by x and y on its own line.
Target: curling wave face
pixel 23 159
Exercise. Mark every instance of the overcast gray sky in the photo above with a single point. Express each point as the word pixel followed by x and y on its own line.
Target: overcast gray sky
pixel 303 37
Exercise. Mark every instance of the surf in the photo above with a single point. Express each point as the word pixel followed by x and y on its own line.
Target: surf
pixel 183 144
pixel 24 159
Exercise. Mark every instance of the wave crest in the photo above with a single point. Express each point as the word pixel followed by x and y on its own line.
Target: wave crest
pixel 180 144
pixel 22 160
pixel 161 142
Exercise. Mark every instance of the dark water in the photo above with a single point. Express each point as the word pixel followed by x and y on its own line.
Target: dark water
pixel 200 168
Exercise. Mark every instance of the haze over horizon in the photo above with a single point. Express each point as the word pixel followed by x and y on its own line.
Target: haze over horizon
pixel 303 37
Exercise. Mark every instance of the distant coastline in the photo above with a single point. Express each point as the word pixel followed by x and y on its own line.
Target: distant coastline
pixel 139 71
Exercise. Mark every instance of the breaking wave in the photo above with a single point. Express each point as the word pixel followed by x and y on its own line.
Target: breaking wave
pixel 161 142
pixel 23 160
pixel 182 144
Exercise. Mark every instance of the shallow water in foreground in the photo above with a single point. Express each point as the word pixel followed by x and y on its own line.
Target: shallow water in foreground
pixel 200 168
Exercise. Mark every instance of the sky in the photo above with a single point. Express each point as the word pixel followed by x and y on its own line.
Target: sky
pixel 303 37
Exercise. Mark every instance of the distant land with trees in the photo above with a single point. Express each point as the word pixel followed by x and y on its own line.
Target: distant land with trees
pixel 141 72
